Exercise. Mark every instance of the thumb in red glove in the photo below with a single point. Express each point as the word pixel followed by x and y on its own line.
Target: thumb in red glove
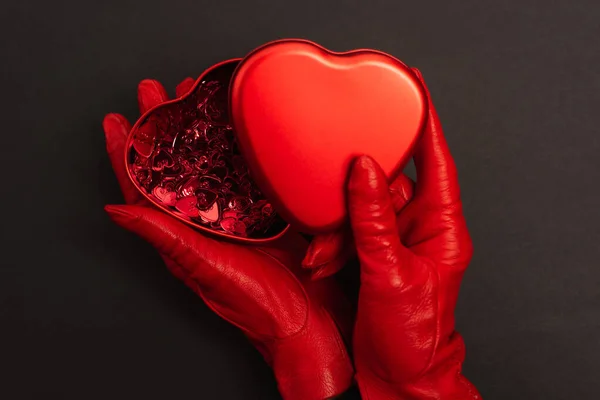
pixel 412 263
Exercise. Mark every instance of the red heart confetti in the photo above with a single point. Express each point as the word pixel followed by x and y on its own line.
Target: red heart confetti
pixel 165 196
pixel 185 157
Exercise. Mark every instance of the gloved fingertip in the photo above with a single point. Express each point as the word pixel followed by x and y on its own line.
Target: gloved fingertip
pixel 121 214
pixel 322 249
pixel 116 128
pixel 113 119
pixel 326 270
pixel 319 273
pixel 365 178
pixel 115 123
pixel 311 259
pixel 151 85
pixel 150 93
pixel 184 87
pixel 371 211
pixel 308 261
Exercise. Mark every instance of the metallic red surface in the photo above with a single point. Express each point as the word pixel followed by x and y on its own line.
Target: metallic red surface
pixel 302 113
pixel 183 157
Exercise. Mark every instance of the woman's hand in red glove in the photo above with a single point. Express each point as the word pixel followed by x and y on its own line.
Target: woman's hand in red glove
pixel 292 320
pixel 412 263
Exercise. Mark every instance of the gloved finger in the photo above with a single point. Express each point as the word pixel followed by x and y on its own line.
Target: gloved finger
pixel 150 94
pixel 436 172
pixel 196 254
pixel 327 254
pixel 373 220
pixel 184 87
pixel 325 248
pixel 331 252
pixel 116 128
pixel 246 286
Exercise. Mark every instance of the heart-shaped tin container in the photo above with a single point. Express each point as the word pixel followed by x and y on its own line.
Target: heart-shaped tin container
pixel 269 139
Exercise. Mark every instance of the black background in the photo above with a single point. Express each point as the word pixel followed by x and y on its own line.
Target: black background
pixel 89 312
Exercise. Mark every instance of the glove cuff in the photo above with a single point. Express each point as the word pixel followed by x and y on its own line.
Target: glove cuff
pixel 313 364
pixel 443 380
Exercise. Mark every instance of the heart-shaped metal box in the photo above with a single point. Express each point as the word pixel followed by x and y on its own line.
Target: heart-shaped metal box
pixel 276 146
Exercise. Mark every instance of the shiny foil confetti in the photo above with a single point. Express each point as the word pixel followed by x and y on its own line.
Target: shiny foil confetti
pixel 185 157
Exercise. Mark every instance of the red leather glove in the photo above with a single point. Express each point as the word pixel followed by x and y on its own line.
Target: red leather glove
pixel 291 320
pixel 413 254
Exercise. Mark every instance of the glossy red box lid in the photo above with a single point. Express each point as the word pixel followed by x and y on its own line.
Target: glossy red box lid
pixel 302 113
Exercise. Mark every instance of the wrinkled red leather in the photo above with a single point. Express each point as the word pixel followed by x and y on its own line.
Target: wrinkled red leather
pixel 292 320
pixel 412 263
